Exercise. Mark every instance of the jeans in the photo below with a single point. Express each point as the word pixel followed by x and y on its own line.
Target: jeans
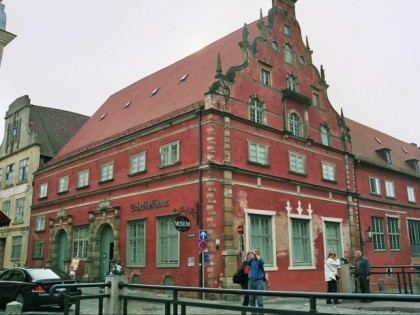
pixel 256 285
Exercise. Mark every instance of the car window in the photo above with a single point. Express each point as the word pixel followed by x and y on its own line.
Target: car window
pixel 17 275
pixel 5 275
pixel 41 274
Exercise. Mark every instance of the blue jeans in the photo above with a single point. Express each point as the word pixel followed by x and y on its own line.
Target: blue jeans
pixel 256 285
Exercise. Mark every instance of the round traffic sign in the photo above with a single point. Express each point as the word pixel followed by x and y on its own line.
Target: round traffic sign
pixel 202 245
pixel 240 229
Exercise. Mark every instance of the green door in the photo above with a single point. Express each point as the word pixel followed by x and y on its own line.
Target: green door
pixel 107 250
pixel 62 249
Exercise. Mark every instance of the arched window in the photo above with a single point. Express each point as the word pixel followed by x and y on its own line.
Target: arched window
pixel 324 135
pixel 256 111
pixel 289 54
pixel 295 124
pixel 292 83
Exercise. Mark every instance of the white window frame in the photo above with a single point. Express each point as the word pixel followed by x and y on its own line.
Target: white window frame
pixel 374 185
pixel 256 110
pixel 295 124
pixel 6 209
pixel 23 170
pixel 167 242
pixel 137 162
pixel 389 188
pixel 272 266
pixel 107 171
pixel 265 76
pixel 393 224
pixel 136 243
pixel 310 263
pixel 289 54
pixel 38 250
pixel 292 82
pixel 81 241
pixel 83 178
pixel 43 190
pixel 339 250
pixel 16 247
pixel 257 152
pixel 411 194
pixel 286 30
pixel 297 163
pixel 378 233
pixel 10 174
pixel 63 184
pixel 328 171
pixel 316 100
pixel 40 223
pixel 19 210
pixel 169 153
pixel 324 135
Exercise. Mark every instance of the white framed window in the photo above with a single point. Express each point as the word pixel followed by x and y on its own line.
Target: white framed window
pixel 107 171
pixel 138 162
pixel 38 250
pixel 292 82
pixel 23 170
pixel 297 163
pixel 19 210
pixel 83 178
pixel 63 184
pixel 289 54
pixel 301 242
pixel 6 208
pixel 261 235
pixel 411 194
pixel 316 101
pixel 43 190
pixel 328 171
pixel 295 124
pixel 257 152
pixel 169 153
pixel 10 173
pixel 136 243
pixel 325 135
pixel 167 242
pixel 40 223
pixel 389 188
pixel 333 236
pixel 256 111
pixel 265 76
pixel 81 242
pixel 375 187
pixel 378 234
pixel 16 247
pixel 394 233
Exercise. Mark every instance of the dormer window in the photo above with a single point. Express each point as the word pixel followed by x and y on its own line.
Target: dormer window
pixel 385 154
pixel 414 164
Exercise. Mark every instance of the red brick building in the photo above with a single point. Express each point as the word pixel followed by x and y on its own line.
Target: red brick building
pixel 238 133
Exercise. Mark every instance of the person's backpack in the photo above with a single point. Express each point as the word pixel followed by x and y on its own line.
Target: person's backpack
pixel 239 275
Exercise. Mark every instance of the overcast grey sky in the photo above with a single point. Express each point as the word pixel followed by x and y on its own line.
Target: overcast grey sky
pixel 74 54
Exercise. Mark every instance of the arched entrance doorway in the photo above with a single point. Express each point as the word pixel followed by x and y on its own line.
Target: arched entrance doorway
pixel 61 249
pixel 107 250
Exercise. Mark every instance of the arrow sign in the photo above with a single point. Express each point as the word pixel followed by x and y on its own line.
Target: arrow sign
pixel 202 235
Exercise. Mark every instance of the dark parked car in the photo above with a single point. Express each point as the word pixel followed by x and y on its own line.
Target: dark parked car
pixel 31 287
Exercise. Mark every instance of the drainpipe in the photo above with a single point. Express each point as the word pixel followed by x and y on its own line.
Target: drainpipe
pixel 359 223
pixel 200 197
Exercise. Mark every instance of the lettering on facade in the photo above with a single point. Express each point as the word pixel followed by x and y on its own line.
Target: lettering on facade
pixel 154 204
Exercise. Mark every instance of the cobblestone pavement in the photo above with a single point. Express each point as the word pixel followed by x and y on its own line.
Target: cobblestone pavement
pixel 90 307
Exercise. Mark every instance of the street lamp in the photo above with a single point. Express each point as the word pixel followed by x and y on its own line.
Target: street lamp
pixel 369 234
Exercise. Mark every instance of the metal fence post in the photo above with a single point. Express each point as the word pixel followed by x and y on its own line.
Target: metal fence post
pixel 113 305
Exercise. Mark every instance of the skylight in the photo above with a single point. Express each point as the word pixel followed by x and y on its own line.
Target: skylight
pixel 103 116
pixel 183 78
pixel 378 140
pixel 127 104
pixel 154 92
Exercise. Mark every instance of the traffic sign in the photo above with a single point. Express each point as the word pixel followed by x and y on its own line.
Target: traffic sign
pixel 240 229
pixel 202 235
pixel 202 245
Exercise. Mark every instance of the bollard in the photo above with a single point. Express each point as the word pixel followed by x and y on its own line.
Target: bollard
pixel 13 308
pixel 381 285
pixel 113 305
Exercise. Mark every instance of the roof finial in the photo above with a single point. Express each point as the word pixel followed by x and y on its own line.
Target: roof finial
pixel 219 65
pixel 307 42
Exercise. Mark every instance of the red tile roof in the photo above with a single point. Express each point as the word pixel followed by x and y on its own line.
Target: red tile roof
pixel 173 96
pixel 366 141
